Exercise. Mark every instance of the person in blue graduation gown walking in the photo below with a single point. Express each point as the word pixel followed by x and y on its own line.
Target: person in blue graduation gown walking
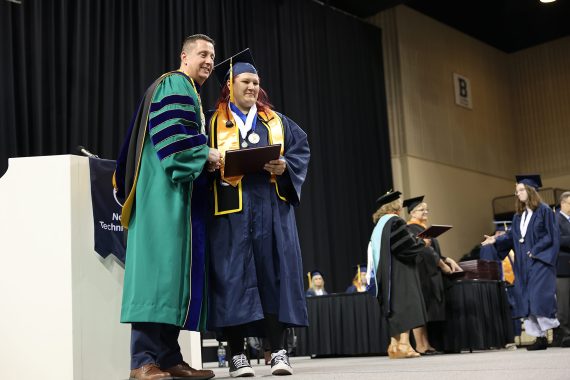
pixel 534 236
pixel 256 284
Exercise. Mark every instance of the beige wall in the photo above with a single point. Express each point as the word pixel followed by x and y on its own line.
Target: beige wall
pixel 541 94
pixel 461 204
pixel 459 158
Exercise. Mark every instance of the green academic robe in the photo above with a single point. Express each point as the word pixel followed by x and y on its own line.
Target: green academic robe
pixel 164 275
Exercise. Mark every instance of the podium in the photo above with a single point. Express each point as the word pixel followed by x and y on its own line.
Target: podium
pixel 61 302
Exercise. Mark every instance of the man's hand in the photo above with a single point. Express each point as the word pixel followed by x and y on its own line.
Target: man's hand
pixel 214 160
pixel 276 167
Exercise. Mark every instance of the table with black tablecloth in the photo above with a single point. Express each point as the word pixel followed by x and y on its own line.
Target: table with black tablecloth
pixel 477 311
pixel 343 324
pixel 478 317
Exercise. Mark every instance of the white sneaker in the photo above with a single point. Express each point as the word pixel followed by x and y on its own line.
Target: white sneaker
pixel 240 367
pixel 280 364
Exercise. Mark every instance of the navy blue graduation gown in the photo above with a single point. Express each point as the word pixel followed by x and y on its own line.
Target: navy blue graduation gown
pixel 535 277
pixel 255 256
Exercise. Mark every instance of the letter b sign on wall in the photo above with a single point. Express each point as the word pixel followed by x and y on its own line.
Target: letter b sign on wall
pixel 462 87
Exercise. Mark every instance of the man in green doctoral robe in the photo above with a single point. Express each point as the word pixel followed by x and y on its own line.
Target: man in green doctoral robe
pixel 159 177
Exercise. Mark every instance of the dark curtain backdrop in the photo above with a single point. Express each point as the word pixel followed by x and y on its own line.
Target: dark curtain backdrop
pixel 72 72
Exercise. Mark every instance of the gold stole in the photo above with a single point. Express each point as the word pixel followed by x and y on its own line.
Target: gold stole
pixel 224 138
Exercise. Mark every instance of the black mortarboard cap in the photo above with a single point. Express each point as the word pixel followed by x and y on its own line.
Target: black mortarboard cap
pixel 316 272
pixel 412 203
pixel 532 180
pixel 387 198
pixel 241 63
pixel 362 267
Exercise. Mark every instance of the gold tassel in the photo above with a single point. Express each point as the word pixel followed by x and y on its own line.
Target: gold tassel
pixel 231 82
pixel 310 279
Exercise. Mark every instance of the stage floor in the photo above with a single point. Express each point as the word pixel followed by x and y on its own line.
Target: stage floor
pixel 520 364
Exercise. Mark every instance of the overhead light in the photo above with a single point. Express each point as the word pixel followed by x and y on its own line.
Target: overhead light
pixel 547 1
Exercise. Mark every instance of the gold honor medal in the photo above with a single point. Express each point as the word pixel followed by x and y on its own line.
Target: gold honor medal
pixel 253 138
pixel 243 144
pixel 521 240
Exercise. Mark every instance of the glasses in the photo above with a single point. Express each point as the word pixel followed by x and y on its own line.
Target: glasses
pixel 517 192
pixel 422 210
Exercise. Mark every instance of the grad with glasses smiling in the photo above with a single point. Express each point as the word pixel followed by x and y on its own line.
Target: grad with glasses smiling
pixel 535 238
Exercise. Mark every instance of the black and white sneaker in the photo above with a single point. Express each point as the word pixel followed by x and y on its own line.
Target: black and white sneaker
pixel 240 367
pixel 280 364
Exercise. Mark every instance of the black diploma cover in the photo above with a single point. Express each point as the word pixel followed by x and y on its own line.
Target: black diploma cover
pixel 433 231
pixel 250 160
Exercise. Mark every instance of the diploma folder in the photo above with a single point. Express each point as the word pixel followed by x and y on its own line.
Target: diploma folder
pixel 433 231
pixel 249 160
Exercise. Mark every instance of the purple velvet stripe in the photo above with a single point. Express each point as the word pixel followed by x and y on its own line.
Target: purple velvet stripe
pixel 181 145
pixel 172 99
pixel 190 116
pixel 171 130
pixel 198 207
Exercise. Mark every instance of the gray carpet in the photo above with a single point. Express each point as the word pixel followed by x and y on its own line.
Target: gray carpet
pixel 552 364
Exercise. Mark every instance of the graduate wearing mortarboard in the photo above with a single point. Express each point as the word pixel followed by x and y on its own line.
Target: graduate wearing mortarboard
pixel 534 236
pixel 316 284
pixel 392 255
pixel 256 287
pixel 359 281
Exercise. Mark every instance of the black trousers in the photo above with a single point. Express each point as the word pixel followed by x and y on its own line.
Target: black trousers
pixel 154 343
pixel 274 331
pixel 563 299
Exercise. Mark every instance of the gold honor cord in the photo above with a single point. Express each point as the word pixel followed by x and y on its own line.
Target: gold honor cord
pixel 231 82
pixel 227 138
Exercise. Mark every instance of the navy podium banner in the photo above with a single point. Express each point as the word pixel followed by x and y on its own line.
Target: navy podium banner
pixel 110 238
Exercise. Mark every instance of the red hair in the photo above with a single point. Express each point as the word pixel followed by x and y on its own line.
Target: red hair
pixel 263 103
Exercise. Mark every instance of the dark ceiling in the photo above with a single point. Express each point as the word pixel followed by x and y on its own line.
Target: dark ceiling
pixel 509 25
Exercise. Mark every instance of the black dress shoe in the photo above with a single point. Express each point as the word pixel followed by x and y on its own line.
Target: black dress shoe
pixel 541 343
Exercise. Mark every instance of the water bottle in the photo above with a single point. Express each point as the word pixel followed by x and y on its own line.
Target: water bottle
pixel 221 355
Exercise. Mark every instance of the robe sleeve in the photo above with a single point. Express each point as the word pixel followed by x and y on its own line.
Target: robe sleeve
pixel 174 129
pixel 297 156
pixel 437 248
pixel 404 245
pixel 504 243
pixel 546 247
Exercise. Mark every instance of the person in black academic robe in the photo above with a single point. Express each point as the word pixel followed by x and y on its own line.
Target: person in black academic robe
pixel 392 256
pixel 428 266
pixel 256 277
pixel 534 236
pixel 562 333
